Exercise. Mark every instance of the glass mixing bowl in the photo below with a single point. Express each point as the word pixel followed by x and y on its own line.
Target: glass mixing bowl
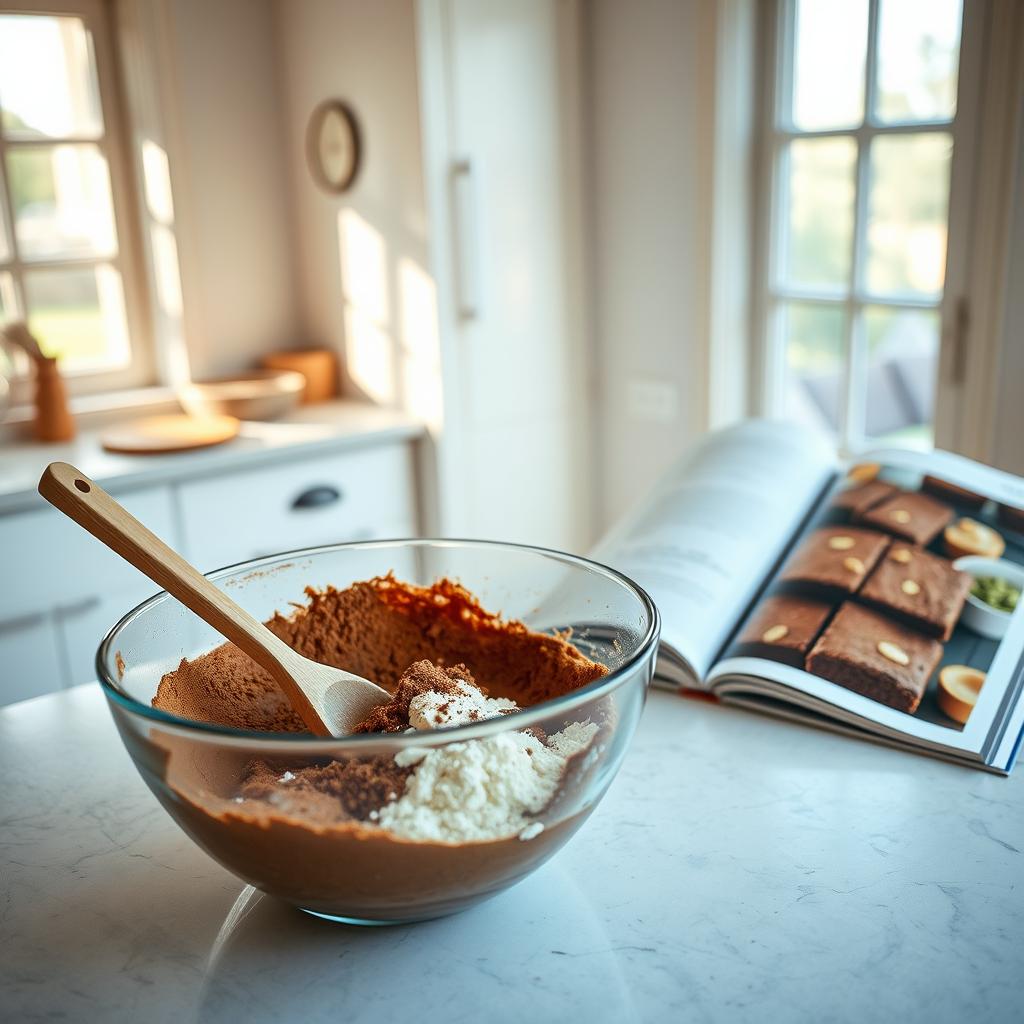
pixel 365 874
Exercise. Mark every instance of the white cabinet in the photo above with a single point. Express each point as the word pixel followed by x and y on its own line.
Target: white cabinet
pixel 53 562
pixel 357 495
pixel 500 137
pixel 30 662
pixel 61 590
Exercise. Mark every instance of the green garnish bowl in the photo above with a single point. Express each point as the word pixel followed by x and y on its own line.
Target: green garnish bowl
pixel 978 614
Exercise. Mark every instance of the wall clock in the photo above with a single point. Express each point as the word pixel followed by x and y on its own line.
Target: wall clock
pixel 333 147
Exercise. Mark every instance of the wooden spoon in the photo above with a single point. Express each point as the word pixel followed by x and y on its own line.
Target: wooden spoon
pixel 330 701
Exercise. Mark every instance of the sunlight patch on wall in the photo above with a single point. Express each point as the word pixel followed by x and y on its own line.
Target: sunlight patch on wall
pixel 369 346
pixel 156 175
pixel 420 344
pixel 369 356
pixel 364 278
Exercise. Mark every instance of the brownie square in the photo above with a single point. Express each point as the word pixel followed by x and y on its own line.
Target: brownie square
pixel 854 500
pixel 918 588
pixel 876 657
pixel 782 629
pixel 833 562
pixel 952 493
pixel 914 517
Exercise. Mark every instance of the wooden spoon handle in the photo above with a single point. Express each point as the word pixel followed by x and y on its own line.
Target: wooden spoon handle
pixel 71 491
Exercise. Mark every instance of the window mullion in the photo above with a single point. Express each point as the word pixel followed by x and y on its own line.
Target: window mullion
pixel 778 91
pixel 13 263
pixel 855 403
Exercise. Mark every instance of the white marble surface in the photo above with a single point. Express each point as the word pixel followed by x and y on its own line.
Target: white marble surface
pixel 739 869
pixel 329 424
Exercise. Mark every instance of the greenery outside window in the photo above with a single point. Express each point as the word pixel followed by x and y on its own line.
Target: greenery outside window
pixel 67 227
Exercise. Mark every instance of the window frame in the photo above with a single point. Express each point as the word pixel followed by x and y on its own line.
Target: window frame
pixel 115 145
pixel 770 292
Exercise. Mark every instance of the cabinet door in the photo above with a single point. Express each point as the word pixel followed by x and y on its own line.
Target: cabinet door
pixel 30 663
pixel 357 495
pixel 52 562
pixel 499 131
pixel 62 590
pixel 82 625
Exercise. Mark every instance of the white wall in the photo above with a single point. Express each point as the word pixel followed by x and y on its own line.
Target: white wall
pixel 650 139
pixel 360 258
pixel 232 202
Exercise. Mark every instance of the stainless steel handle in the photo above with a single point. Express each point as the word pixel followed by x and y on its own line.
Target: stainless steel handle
pixel 467 241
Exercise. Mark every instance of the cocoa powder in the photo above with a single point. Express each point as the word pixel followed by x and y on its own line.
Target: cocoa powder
pixel 377 629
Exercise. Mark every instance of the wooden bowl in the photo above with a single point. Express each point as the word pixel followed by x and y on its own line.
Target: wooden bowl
pixel 258 395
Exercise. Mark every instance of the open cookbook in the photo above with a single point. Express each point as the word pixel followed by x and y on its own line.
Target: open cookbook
pixel 877 599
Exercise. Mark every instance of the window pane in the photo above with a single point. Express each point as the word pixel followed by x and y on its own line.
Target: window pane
pixel 829 48
pixel 48 85
pixel 79 316
pixel 7 303
pixel 908 205
pixel 13 362
pixel 820 207
pixel 813 336
pixel 5 245
pixel 918 56
pixel 903 352
pixel 62 202
pixel 5 237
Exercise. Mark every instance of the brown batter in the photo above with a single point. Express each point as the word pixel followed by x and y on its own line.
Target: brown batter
pixel 377 629
pixel 302 828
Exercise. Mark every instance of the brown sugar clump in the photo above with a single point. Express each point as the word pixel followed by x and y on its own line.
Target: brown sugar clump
pixel 419 677
pixel 330 793
pixel 377 629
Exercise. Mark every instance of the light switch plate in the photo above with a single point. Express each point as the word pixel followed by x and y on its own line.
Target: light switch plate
pixel 652 400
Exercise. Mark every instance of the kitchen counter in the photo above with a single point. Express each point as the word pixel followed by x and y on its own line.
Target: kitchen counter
pixel 740 868
pixel 333 424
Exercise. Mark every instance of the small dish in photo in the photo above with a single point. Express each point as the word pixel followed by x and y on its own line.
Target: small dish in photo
pixel 979 614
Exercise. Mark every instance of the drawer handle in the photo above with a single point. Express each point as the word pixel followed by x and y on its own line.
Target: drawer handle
pixel 317 497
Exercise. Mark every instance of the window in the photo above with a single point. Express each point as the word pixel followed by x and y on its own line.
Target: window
pixel 863 129
pixel 65 207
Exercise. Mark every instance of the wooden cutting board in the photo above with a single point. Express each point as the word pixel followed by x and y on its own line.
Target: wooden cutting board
pixel 160 435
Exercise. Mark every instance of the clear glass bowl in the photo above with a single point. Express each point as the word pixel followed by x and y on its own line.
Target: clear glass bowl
pixel 368 875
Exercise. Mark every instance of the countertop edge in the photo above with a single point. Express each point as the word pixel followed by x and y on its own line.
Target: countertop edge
pixel 356 425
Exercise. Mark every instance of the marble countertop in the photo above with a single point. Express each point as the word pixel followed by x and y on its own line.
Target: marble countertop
pixel 739 869
pixel 327 424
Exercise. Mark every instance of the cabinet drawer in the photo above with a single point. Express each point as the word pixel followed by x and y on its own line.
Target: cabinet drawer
pixel 51 562
pixel 29 659
pixel 321 500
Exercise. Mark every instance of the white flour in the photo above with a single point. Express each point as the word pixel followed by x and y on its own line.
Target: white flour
pixel 479 789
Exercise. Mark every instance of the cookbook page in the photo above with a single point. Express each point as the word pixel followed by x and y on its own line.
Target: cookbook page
pixel 703 542
pixel 900 604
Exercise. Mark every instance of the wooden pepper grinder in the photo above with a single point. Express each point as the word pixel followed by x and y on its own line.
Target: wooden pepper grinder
pixel 53 421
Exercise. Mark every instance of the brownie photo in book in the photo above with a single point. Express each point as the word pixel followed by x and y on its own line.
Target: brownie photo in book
pixel 911 516
pixel 950 492
pixel 852 501
pixel 874 656
pixel 833 562
pixel 783 629
pixel 803 587
pixel 918 588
